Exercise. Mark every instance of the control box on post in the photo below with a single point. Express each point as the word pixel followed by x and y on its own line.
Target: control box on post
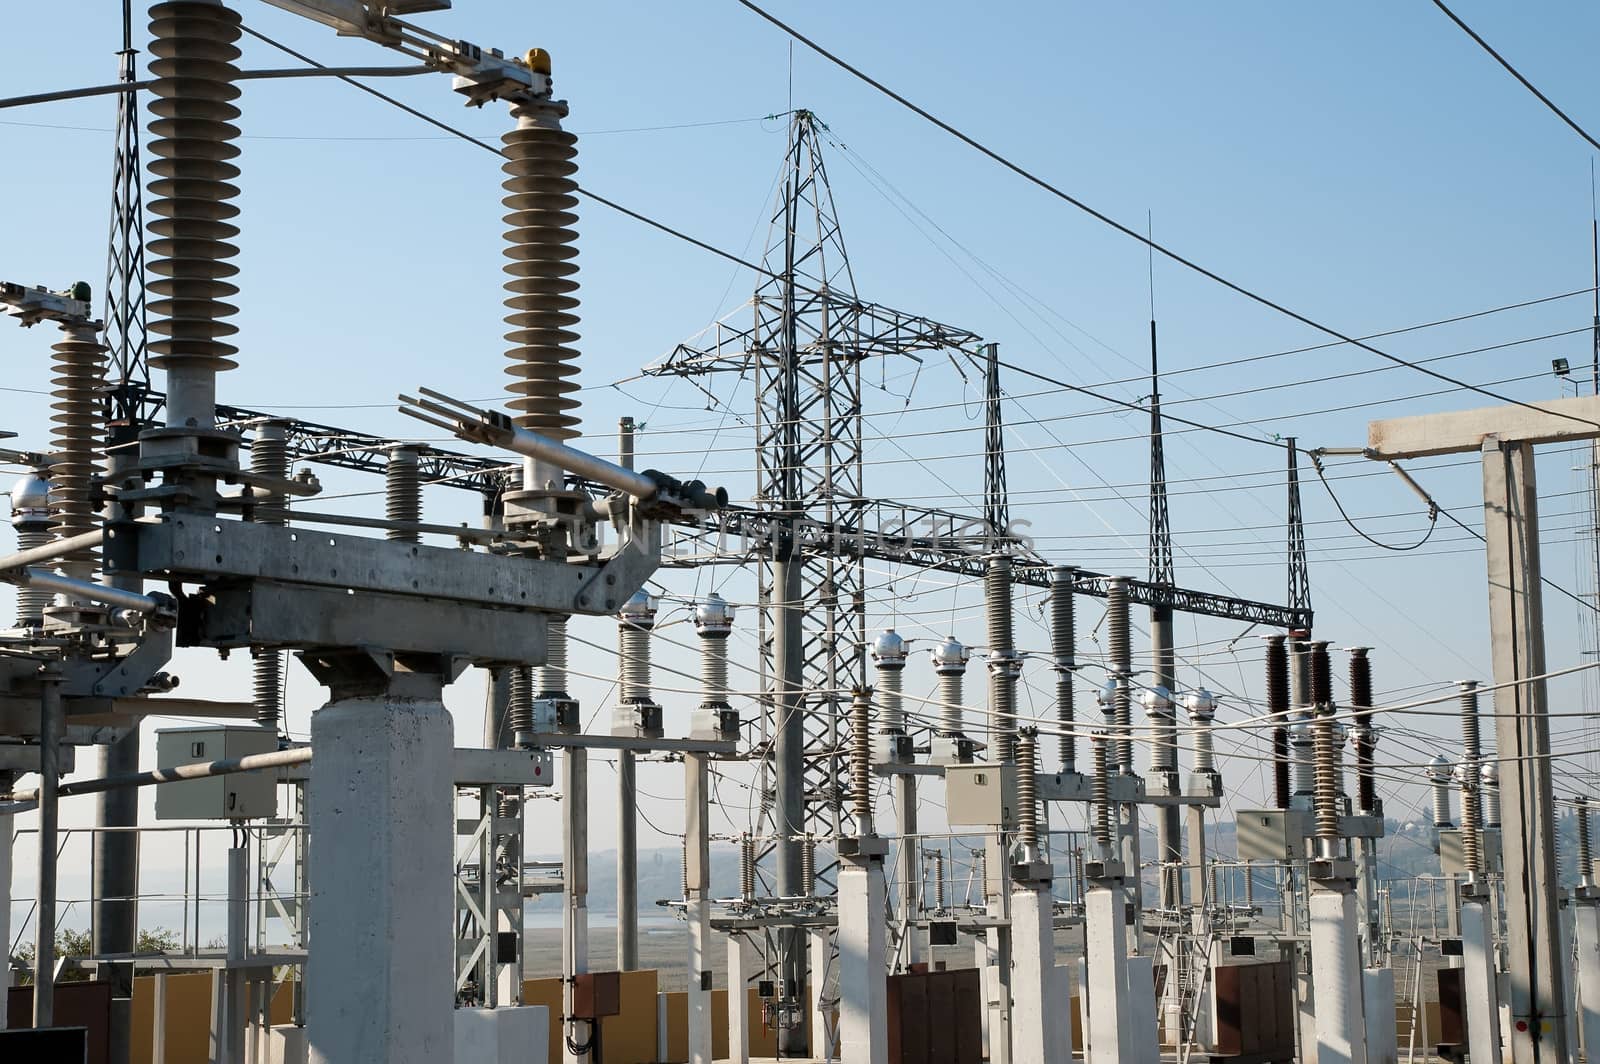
pixel 980 794
pixel 235 796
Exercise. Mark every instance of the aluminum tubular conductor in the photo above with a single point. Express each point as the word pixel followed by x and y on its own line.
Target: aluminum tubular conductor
pixel 191 148
pixel 1063 649
pixel 541 197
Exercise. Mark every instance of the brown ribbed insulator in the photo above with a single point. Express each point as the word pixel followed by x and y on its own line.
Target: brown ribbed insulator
pixel 193 134
pixel 1277 708
pixel 77 373
pixel 540 251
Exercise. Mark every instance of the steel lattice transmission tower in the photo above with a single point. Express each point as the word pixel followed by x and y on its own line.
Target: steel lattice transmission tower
pixel 1299 569
pixel 809 467
pixel 1161 565
pixel 125 333
pixel 996 508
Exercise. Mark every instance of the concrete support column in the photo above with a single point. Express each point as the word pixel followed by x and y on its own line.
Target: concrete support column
pixel 575 897
pixel 1522 737
pixel 908 870
pixel 627 861
pixel 742 964
pixel 1107 1018
pixel 6 835
pixel 863 989
pixel 234 1011
pixel 697 852
pixel 1336 978
pixel 1587 929
pixel 51 722
pixel 1377 1003
pixel 824 1029
pixel 380 982
pixel 994 955
pixel 1480 986
pixel 1040 1029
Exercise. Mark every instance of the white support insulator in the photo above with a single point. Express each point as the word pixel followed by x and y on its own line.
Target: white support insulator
pixel 30 515
pixel 1489 776
pixel 402 482
pixel 540 249
pixel 889 660
pixel 808 863
pixel 191 150
pixel 713 623
pixel 638 620
pixel 1202 708
pixel 1158 710
pixel 950 664
pixel 747 868
pixel 552 679
pixel 938 881
pixel 1439 770
pixel 1302 756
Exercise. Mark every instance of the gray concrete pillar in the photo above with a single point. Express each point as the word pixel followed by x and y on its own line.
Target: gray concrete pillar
pixel 380 981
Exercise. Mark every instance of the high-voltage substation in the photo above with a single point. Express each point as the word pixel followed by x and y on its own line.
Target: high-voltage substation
pixel 380 916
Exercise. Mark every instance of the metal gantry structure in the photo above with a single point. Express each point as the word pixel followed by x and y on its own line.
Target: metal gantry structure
pixel 385 623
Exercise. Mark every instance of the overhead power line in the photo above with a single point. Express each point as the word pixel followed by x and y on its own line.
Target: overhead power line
pixel 1514 72
pixel 1187 263
pixel 486 146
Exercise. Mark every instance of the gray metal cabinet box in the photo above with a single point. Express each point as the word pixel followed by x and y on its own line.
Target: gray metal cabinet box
pixel 1263 834
pixel 980 795
pixel 239 795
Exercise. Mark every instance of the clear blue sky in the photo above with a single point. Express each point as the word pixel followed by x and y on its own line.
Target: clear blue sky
pixel 1365 164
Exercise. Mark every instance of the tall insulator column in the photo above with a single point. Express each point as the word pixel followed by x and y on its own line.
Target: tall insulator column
pixel 269 457
pixel 639 714
pixel 938 881
pixel 78 378
pixel 1121 670
pixel 30 516
pixel 541 197
pixel 192 200
pixel 1366 735
pixel 713 623
pixel 1063 650
pixel 402 495
pixel 1202 708
pixel 1468 772
pixel 1005 667
pixel 1278 710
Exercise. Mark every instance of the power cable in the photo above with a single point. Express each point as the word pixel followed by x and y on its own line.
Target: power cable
pixel 1190 264
pixel 1514 72
pixel 486 146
